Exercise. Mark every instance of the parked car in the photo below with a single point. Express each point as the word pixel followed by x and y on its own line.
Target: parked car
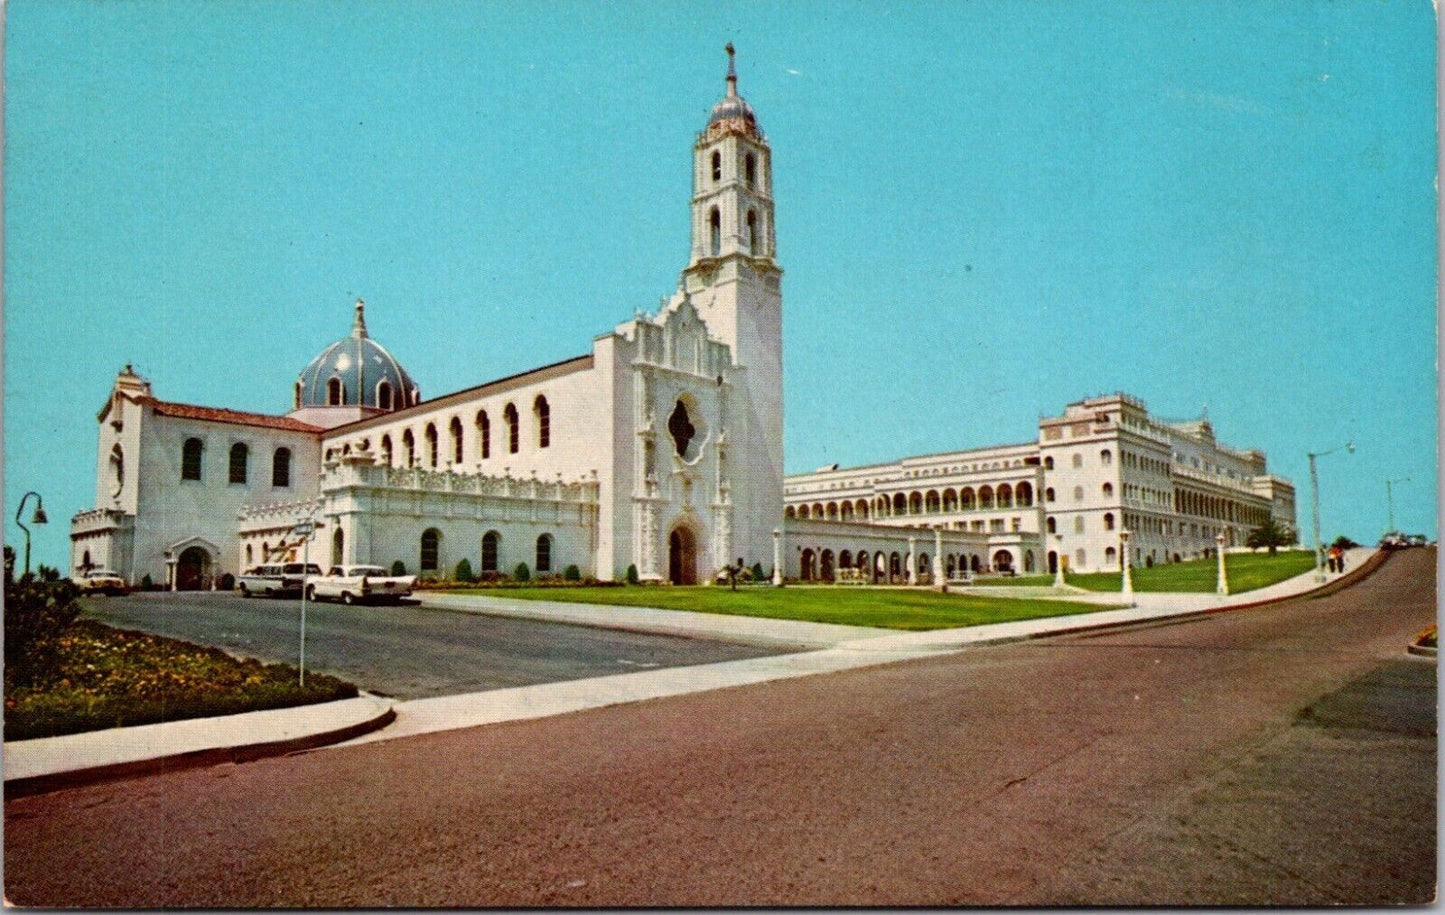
pixel 359 584
pixel 276 580
pixel 102 581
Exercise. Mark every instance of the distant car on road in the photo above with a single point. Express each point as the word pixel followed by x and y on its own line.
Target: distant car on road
pixel 102 581
pixel 359 584
pixel 1394 540
pixel 276 580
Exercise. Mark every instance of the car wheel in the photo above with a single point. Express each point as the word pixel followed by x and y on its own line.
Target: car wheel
pixel 311 593
pixel 244 592
pixel 347 599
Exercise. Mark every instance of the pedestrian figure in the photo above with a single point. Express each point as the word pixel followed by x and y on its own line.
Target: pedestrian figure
pixel 1330 561
pixel 1342 560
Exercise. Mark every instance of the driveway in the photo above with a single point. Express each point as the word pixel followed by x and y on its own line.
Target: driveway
pixel 404 651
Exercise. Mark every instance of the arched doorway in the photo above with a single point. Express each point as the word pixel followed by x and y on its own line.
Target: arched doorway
pixel 805 568
pixel 682 556
pixel 1003 561
pixel 338 547
pixel 193 570
pixel 1053 563
pixel 826 566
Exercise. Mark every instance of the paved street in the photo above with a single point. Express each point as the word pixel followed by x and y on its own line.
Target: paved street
pixel 1284 754
pixel 404 651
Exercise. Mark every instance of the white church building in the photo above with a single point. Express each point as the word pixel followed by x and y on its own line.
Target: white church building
pixel 660 448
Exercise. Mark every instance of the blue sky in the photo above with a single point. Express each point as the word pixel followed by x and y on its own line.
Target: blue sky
pixel 985 210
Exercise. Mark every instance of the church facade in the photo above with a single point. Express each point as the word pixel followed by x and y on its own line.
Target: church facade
pixel 661 448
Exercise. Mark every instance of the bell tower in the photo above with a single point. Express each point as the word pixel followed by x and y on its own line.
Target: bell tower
pixel 734 281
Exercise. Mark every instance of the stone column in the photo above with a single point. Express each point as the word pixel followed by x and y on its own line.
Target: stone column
pixel 777 557
pixel 1058 560
pixel 1222 588
pixel 938 581
pixel 1127 585
pixel 912 565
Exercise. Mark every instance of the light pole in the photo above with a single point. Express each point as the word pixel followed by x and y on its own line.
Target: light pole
pixel 1390 501
pixel 1058 560
pixel 777 557
pixel 37 518
pixel 1222 588
pixel 1315 508
pixel 1127 584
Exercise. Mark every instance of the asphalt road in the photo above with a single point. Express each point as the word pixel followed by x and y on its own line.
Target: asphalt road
pixel 404 651
pixel 1284 754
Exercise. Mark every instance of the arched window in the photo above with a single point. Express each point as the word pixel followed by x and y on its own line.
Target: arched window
pixel 1078 493
pixel 513 435
pixel 1049 463
pixel 1024 495
pixel 1053 525
pixel 1078 524
pixel 544 553
pixel 117 469
pixel 716 167
pixel 1108 490
pixel 1049 494
pixel 752 232
pixel 386 450
pixel 1078 461
pixel 544 421
pixel 1078 559
pixel 491 542
pixel 484 435
pixel 335 393
pixel 239 454
pixel 281 468
pixel 1110 556
pixel 408 444
pixel 191 459
pixel 456 430
pixel 383 395
pixel 715 232
pixel 1106 457
pixel 1108 521
pixel 431 445
pixel 431 540
pixel 250 556
pixel 750 170
pixel 338 547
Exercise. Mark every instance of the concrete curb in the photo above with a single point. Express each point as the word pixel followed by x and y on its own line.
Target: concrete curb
pixel 1423 651
pixel 380 715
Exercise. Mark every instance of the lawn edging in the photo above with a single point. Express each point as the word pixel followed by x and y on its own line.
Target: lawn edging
pixel 49 754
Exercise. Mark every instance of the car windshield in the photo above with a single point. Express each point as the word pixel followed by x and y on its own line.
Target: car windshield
pixel 367 570
pixel 103 573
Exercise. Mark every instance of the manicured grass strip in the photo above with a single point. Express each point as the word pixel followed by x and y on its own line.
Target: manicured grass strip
pixel 1246 572
pixel 886 609
pixel 107 677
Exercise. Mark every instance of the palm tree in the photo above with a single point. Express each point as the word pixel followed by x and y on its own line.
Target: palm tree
pixel 1270 534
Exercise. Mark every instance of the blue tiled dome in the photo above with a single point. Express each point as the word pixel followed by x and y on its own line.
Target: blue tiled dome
pixel 360 365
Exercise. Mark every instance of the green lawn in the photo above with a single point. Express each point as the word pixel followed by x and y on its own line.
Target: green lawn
pixel 848 606
pixel 1246 572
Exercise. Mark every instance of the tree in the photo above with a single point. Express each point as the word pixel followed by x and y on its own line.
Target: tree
pixel 1344 543
pixel 522 573
pixel 1270 534
pixel 464 571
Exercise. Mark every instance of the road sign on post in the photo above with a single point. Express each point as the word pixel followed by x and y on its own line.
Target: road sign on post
pixel 305 530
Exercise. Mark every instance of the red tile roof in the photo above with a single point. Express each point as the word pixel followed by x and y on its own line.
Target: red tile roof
pixel 235 417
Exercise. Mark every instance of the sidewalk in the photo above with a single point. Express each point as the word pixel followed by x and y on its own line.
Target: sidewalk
pixel 45 765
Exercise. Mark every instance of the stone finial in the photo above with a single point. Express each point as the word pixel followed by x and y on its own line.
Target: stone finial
pixel 732 72
pixel 358 329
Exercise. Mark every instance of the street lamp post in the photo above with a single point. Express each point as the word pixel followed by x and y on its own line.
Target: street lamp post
pixel 1127 585
pixel 1390 500
pixel 1222 588
pixel 1315 508
pixel 777 557
pixel 37 518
